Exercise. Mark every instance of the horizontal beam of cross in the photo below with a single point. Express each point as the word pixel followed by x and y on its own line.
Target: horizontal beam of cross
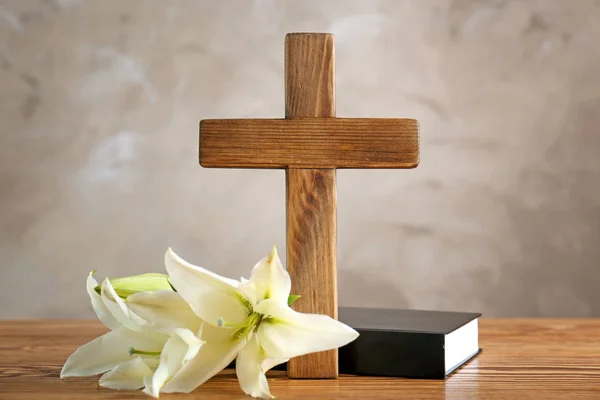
pixel 309 143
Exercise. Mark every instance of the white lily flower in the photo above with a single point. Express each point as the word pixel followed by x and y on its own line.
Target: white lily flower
pixel 153 334
pixel 250 320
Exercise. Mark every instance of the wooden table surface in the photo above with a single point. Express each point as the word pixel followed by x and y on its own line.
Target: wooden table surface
pixel 521 359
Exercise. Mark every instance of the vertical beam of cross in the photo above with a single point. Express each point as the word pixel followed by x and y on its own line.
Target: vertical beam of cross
pixel 311 195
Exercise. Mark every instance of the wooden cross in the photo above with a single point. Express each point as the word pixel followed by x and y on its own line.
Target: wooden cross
pixel 310 143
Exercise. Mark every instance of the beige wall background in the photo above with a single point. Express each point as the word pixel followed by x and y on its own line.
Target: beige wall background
pixel 99 110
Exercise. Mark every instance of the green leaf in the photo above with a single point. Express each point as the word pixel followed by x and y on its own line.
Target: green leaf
pixel 292 298
pixel 129 285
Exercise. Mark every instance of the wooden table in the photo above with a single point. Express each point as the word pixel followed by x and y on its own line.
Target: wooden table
pixel 521 359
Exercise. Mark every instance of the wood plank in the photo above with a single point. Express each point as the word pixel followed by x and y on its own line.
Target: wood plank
pixel 310 143
pixel 521 359
pixel 311 196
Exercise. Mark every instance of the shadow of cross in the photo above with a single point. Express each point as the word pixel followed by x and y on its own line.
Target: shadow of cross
pixel 310 143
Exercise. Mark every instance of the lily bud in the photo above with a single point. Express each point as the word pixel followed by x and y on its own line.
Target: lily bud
pixel 129 285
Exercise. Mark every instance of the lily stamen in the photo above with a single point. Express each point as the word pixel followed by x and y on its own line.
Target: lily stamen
pixel 251 323
pixel 221 322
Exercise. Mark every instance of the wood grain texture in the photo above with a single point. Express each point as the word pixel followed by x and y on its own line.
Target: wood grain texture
pixel 309 75
pixel 312 257
pixel 311 195
pixel 521 359
pixel 309 143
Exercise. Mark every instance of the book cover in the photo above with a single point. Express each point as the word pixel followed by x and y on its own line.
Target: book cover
pixel 408 343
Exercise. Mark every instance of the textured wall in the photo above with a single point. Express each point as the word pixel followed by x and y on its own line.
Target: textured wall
pixel 99 110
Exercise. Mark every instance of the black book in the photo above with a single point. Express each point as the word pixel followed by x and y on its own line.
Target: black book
pixel 408 343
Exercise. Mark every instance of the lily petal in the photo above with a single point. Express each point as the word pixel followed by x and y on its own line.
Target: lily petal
pixel 272 281
pixel 126 376
pixel 164 310
pixel 178 349
pixel 211 296
pixel 269 363
pixel 106 352
pixel 192 342
pixel 288 333
pixel 250 372
pixel 217 353
pixel 103 313
pixel 248 290
pixel 119 309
